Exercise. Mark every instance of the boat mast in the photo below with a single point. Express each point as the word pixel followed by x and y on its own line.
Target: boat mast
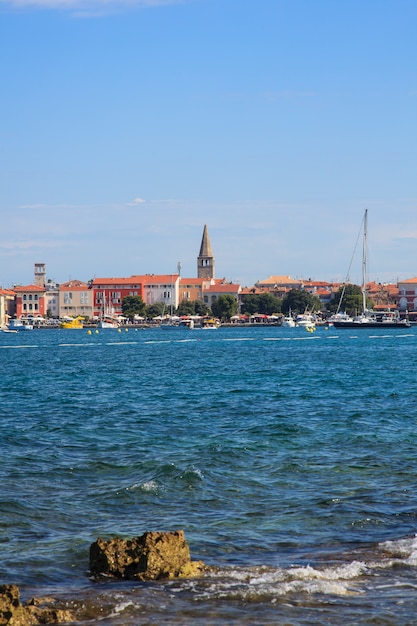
pixel 365 226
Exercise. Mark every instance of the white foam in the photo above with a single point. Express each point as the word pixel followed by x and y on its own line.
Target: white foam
pixel 150 486
pixel 249 583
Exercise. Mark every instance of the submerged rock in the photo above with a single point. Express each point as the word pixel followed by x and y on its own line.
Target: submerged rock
pixel 152 556
pixel 14 613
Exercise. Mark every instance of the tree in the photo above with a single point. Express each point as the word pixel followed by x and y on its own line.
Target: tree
pixel 264 303
pixel 186 307
pixel 153 310
pixel 299 301
pixel 133 305
pixel 350 300
pixel 201 308
pixel 224 306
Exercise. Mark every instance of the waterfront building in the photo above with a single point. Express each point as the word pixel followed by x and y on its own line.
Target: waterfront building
pixel 108 293
pixel 75 298
pixel 7 306
pixel 407 294
pixel 29 301
pixel 162 288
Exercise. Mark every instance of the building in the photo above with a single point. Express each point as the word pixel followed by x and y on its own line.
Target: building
pixel 30 301
pixel 162 288
pixel 383 295
pixel 7 306
pixel 211 294
pixel 52 299
pixel 205 260
pixel 407 294
pixel 193 288
pixel 75 298
pixel 108 293
pixel 279 286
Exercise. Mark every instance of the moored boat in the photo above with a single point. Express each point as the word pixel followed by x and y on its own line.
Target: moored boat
pixel 76 323
pixel 368 318
pixel 107 322
pixel 19 325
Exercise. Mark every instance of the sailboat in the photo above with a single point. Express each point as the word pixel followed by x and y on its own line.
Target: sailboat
pixel 368 318
pixel 106 319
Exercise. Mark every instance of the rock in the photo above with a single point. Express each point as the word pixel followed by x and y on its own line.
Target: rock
pixel 11 610
pixel 152 556
pixel 14 613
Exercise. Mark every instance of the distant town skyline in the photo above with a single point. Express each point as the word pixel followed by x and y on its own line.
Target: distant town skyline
pixel 129 124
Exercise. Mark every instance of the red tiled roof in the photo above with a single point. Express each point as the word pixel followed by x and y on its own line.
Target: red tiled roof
pixel 228 288
pixel 409 280
pixel 192 281
pixel 74 285
pixel 21 289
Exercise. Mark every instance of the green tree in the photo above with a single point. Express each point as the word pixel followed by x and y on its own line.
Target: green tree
pixel 201 308
pixel 299 301
pixel 350 300
pixel 154 310
pixel 186 307
pixel 224 306
pixel 264 303
pixel 133 305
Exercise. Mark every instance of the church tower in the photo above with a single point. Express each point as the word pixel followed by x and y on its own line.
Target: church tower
pixel 205 261
pixel 40 274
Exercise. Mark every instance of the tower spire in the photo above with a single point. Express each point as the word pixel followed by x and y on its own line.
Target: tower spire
pixel 205 261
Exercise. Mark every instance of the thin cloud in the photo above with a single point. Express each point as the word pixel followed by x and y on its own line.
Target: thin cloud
pixel 136 202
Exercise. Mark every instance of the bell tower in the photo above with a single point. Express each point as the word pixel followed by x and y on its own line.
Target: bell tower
pixel 205 261
pixel 40 274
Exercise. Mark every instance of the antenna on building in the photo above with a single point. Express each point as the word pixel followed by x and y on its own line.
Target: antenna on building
pixel 179 267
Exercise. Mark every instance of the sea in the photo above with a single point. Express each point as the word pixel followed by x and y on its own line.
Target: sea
pixel 289 459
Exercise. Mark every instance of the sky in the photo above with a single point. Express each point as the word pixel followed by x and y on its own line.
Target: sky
pixel 126 125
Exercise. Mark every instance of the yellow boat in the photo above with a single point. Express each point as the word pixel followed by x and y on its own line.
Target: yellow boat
pixel 77 322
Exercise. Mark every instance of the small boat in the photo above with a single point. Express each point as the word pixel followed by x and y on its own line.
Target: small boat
pixel 288 322
pixel 18 325
pixel 75 323
pixel 210 323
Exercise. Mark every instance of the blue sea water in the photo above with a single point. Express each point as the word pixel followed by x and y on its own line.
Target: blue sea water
pixel 288 458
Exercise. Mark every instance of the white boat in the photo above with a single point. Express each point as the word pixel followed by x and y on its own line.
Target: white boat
pixel 107 319
pixel 305 319
pixel 288 322
pixel 368 318
pixel 339 317
pixel 19 325
pixel 107 323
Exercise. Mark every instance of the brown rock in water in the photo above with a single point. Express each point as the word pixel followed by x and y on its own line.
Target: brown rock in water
pixel 14 613
pixel 152 556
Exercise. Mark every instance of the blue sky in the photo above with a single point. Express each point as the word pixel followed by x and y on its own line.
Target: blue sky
pixel 128 125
